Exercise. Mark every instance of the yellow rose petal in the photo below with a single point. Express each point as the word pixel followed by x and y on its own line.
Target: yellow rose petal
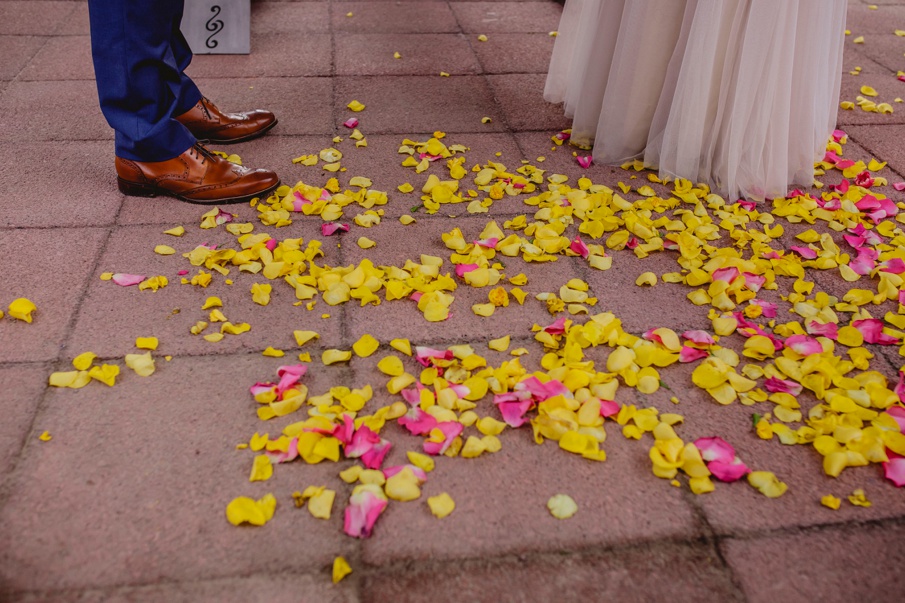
pixel 831 502
pixel 146 343
pixel 356 106
pixel 303 337
pixel 164 250
pixel 767 483
pixel 499 345
pixel 341 567
pixel 273 352
pixel 366 243
pixel 84 360
pixel 441 505
pixel 365 346
pixel 178 231
pixel 21 309
pixel 561 506
pixel 45 437
pixel 333 356
pixel 402 345
pixel 256 512
pixel 142 364
pixel 262 469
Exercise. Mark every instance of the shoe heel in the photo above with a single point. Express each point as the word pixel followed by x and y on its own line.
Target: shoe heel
pixel 134 189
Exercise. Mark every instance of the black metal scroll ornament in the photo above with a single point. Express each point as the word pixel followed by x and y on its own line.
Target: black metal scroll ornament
pixel 213 25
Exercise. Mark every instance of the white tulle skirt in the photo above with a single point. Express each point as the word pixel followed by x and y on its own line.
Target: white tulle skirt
pixel 740 94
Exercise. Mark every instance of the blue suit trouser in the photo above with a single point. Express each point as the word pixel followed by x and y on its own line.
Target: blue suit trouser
pixel 140 57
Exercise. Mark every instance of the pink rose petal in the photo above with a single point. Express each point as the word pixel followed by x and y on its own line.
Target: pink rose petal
pixel 715 449
pixel 425 356
pixel 699 337
pixel 894 469
pixel 418 422
pixel 872 329
pixel 585 161
pixel 728 472
pixel 609 408
pixel 775 384
pixel 451 430
pixel 127 280
pixel 351 123
pixel 804 345
pixel 580 248
pixel 690 354
pixel 362 513
pixel 329 228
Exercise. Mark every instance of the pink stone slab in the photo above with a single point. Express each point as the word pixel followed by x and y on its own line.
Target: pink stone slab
pixel 133 487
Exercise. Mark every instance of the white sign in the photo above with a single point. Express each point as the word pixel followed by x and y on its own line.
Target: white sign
pixel 217 26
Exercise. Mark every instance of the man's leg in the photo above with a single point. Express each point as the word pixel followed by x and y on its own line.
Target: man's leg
pixel 140 78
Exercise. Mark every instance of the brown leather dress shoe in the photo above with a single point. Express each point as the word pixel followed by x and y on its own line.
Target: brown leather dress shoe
pixel 206 122
pixel 196 176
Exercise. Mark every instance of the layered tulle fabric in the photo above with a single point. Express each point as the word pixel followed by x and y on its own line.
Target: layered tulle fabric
pixel 740 94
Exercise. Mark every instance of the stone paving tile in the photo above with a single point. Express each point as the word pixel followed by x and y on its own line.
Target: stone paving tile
pixel 17 51
pixel 269 18
pixel 688 573
pixel 453 104
pixel 130 250
pixel 132 488
pixel 22 387
pixel 401 318
pixel 737 508
pixel 515 53
pixel 521 97
pixel 831 565
pixel 18 17
pixel 61 58
pixel 276 588
pixel 301 104
pixel 422 54
pixel 507 17
pixel 393 17
pixel 30 111
pixel 501 503
pixel 49 267
pixel 275 55
pixel 66 184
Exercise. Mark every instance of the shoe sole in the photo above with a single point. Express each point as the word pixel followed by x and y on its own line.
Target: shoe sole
pixel 136 189
pixel 247 137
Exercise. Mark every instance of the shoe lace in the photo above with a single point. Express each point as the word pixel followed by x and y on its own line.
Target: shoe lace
pixel 198 151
